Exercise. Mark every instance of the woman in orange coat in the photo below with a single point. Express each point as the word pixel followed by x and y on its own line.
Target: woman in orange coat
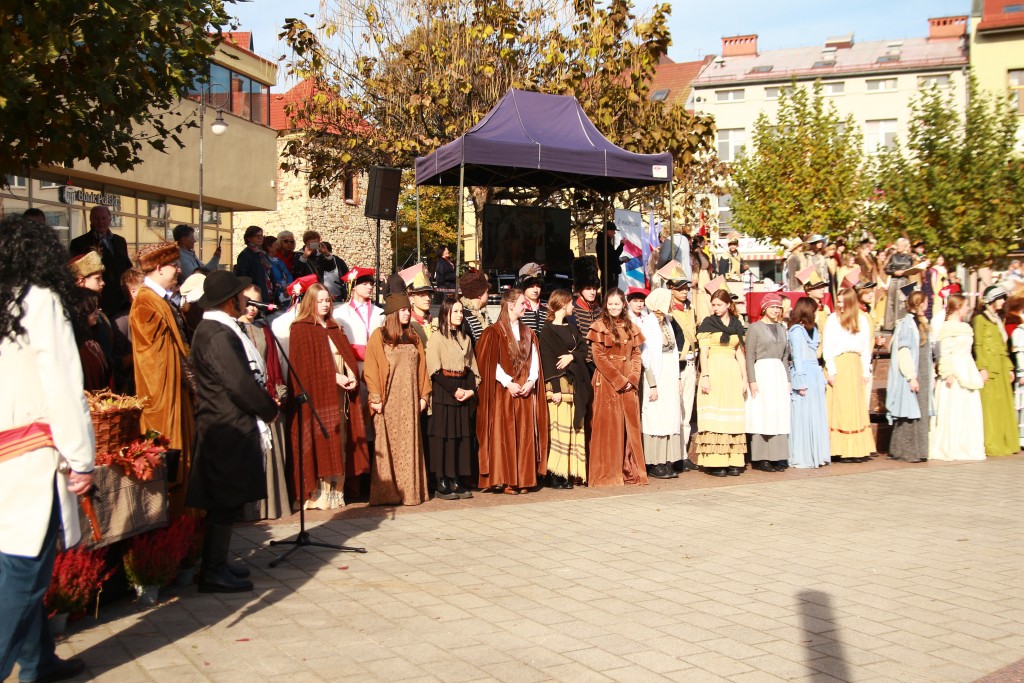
pixel 616 442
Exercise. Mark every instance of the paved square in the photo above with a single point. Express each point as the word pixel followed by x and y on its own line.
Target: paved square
pixel 903 574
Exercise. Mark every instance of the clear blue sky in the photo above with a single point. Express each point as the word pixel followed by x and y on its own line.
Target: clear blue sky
pixel 697 27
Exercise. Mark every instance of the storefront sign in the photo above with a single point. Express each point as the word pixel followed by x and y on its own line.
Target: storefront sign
pixel 77 195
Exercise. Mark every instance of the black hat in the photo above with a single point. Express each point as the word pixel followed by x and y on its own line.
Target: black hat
pixel 584 273
pixel 529 281
pixel 610 225
pixel 865 285
pixel 907 290
pixel 219 286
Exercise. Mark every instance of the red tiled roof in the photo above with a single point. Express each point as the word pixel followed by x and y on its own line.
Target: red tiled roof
pixel 676 78
pixel 279 120
pixel 242 39
pixel 994 15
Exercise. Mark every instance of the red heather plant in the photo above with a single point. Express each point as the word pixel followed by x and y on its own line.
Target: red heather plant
pixel 154 558
pixel 78 575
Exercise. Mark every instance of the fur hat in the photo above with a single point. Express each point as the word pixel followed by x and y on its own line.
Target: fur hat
pixel 152 256
pixel 86 264
pixel 584 273
pixel 473 284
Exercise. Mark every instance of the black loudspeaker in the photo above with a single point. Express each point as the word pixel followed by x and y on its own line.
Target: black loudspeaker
pixel 382 193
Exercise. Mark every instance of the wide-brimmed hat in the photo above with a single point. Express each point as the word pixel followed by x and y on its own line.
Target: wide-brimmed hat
pixel 221 285
pixel 791 243
pixel 814 238
pixel 994 293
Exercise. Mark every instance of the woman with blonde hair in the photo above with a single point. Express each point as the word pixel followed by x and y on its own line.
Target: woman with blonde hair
pixel 660 395
pixel 563 353
pixel 616 443
pixel 512 421
pixel 398 388
pixel 908 398
pixel 721 408
pixel 322 357
pixel 958 413
pixel 847 345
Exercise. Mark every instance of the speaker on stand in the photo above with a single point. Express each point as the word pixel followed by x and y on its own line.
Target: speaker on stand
pixel 382 191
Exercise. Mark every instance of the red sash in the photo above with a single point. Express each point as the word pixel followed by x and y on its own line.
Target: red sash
pixel 25 439
pixel 360 351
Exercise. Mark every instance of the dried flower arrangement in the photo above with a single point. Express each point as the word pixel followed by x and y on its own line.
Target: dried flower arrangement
pixel 139 458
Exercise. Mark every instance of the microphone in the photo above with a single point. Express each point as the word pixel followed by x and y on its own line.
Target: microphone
pixel 269 308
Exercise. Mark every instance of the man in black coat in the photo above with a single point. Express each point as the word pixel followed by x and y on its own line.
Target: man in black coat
pixel 609 257
pixel 113 252
pixel 231 425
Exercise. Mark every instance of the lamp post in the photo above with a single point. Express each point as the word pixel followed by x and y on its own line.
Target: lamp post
pixel 218 127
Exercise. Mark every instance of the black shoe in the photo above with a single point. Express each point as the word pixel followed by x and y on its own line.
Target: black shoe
pixel 661 472
pixel 763 466
pixel 223 581
pixel 62 670
pixel 781 465
pixel 569 483
pixel 735 471
pixel 684 465
pixel 556 481
pixel 444 490
pixel 459 490
pixel 716 471
pixel 239 571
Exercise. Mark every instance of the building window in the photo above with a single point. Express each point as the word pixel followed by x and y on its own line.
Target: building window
pixel 773 92
pixel 835 88
pixel 880 133
pixel 724 213
pixel 729 95
pixel 881 84
pixel 659 96
pixel 16 182
pixel 350 190
pixel 234 93
pixel 824 63
pixel 1017 88
pixel 766 68
pixel 731 143
pixel 940 80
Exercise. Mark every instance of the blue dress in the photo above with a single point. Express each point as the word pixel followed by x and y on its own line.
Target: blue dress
pixel 808 435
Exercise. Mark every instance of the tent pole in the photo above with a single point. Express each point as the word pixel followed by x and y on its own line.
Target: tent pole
pixel 458 244
pixel 671 222
pixel 419 251
pixel 604 236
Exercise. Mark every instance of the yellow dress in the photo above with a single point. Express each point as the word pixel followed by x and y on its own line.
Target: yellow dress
pixel 722 413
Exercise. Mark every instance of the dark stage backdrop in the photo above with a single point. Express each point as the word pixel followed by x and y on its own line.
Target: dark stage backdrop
pixel 516 235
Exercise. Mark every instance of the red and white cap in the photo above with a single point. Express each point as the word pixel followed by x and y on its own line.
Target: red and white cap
pixel 300 285
pixel 358 273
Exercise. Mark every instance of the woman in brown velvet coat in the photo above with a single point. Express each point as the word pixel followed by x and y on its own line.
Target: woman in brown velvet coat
pixel 325 363
pixel 512 419
pixel 616 442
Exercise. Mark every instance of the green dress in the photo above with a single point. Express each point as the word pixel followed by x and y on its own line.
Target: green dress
pixel 997 407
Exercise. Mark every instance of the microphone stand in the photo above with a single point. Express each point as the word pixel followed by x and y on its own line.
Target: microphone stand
pixel 303 539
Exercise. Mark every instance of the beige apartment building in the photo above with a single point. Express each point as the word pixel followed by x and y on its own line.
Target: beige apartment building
pixel 997 51
pixel 238 167
pixel 874 82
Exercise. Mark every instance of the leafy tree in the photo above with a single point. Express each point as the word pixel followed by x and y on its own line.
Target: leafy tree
pixel 803 174
pixel 402 77
pixel 439 210
pixel 93 81
pixel 957 183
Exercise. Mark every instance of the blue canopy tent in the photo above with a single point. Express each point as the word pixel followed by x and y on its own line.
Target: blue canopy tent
pixel 532 139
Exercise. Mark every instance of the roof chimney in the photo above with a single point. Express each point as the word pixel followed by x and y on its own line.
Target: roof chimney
pixel 843 42
pixel 740 46
pixel 947 27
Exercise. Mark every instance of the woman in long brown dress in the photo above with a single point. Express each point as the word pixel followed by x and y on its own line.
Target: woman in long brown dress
pixel 512 420
pixel 616 441
pixel 324 361
pixel 398 387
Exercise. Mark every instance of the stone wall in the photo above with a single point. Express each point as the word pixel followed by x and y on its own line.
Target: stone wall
pixel 352 236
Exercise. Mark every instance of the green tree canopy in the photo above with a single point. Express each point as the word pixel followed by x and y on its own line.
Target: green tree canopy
pixel 957 182
pixel 395 79
pixel 94 81
pixel 803 175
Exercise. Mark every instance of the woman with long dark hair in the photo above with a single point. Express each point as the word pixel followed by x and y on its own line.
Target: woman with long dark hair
pixel 908 395
pixel 563 352
pixel 322 356
pixel 512 421
pixel 454 377
pixel 721 408
pixel 808 426
pixel 398 387
pixel 96 368
pixel 616 441
pixel 847 345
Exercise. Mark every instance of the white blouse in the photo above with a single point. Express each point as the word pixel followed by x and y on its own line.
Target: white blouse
pixel 837 341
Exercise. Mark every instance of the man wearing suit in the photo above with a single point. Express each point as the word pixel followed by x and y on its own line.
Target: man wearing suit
pixel 113 251
pixel 609 257
pixel 233 410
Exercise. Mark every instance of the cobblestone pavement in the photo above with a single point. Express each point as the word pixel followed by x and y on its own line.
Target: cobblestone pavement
pixel 886 574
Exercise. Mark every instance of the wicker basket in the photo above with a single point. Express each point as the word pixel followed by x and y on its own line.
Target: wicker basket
pixel 115 428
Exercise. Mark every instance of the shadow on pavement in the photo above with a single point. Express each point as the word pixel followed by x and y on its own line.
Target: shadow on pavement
pixel 184 614
pixel 816 618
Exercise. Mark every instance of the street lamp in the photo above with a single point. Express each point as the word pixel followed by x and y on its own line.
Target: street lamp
pixel 218 127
